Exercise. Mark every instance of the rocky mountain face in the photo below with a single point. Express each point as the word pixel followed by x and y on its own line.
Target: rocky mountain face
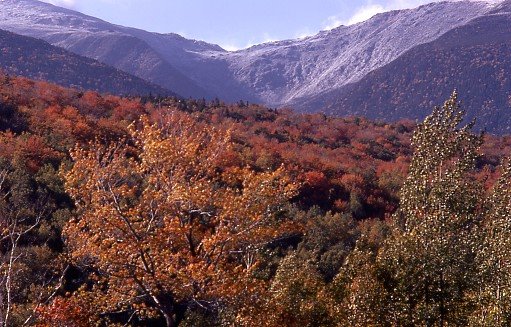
pixel 331 71
pixel 273 73
pixel 37 59
pixel 474 58
pixel 286 72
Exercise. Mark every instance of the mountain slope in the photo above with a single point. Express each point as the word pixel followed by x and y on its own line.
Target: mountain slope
pixel 34 58
pixel 395 65
pixel 475 59
pixel 94 38
pixel 284 72
pixel 275 73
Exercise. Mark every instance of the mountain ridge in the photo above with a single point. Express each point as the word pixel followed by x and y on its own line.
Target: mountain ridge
pixel 85 35
pixel 315 73
pixel 345 54
pixel 35 58
pixel 276 73
pixel 473 58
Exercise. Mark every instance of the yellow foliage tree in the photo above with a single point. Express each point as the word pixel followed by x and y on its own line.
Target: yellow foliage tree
pixel 166 221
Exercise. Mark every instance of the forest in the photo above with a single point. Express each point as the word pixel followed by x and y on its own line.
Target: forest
pixel 171 212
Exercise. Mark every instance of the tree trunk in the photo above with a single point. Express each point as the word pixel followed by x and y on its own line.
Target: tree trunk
pixel 1 307
pixel 442 306
pixel 169 319
pixel 168 309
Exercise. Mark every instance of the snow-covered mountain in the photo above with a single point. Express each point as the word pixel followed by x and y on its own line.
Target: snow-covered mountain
pixel 121 47
pixel 285 72
pixel 276 74
pixel 474 58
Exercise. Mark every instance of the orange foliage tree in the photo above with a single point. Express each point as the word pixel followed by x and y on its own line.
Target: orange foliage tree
pixel 168 221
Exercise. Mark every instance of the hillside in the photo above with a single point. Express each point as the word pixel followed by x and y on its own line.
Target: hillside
pixel 34 58
pixel 286 72
pixel 395 65
pixel 96 39
pixel 377 203
pixel 297 208
pixel 474 58
pixel 276 74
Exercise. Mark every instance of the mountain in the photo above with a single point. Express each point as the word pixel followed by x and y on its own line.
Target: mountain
pixel 275 73
pixel 474 58
pixel 34 58
pixel 96 39
pixel 285 72
pixel 395 65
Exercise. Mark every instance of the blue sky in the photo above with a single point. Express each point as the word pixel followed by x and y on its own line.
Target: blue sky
pixel 236 24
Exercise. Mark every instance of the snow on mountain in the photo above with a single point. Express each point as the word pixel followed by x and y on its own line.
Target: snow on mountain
pixel 282 72
pixel 474 59
pixel 37 59
pixel 276 73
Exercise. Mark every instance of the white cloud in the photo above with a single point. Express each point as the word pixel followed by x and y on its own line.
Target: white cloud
pixel 370 9
pixel 234 46
pixel 62 3
pixel 230 46
pixel 364 13
pixel 303 33
pixel 361 14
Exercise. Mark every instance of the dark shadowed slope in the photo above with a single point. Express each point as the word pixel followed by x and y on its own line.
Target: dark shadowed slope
pixel 34 58
pixel 91 37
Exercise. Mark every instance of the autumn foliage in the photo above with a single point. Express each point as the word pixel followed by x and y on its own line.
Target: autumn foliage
pixel 165 222
pixel 165 212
